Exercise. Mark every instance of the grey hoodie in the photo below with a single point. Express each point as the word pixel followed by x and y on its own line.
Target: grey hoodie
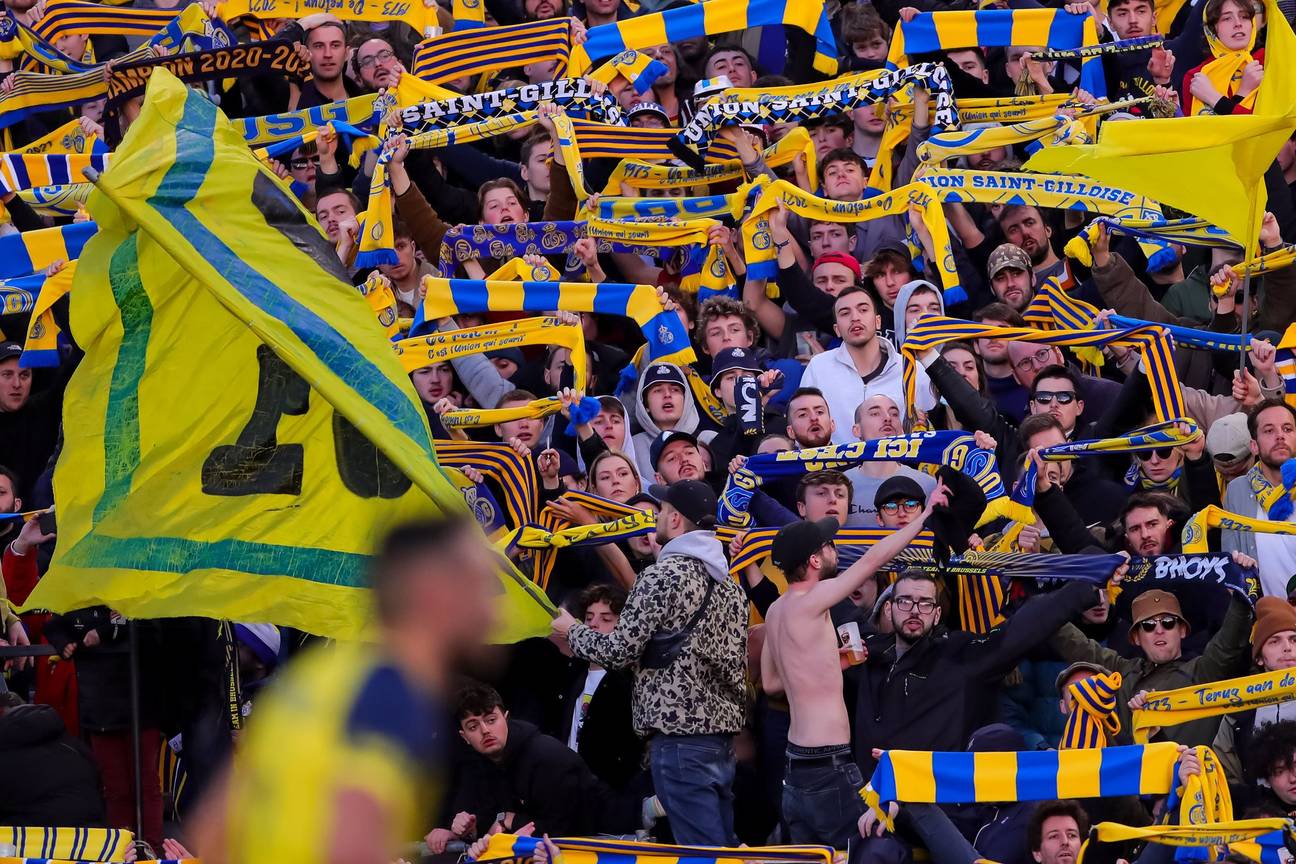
pixel 923 391
pixel 703 546
pixel 689 422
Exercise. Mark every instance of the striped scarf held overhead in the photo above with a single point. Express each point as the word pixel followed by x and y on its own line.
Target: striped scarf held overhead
pixel 30 252
pixel 22 171
pixel 709 19
pixel 1092 722
pixel 623 521
pixel 68 200
pixel 1153 344
pixel 638 174
pixel 467 52
pixel 1172 707
pixel 932 32
pixel 515 474
pixel 1195 537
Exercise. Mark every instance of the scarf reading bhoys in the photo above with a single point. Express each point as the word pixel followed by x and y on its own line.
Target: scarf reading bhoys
pixel 932 32
pixel 728 110
pixel 664 332
pixel 956 449
pixel 1092 721
pixel 487 49
pixel 1194 538
pixel 1152 342
pixel 1164 434
pixel 1173 707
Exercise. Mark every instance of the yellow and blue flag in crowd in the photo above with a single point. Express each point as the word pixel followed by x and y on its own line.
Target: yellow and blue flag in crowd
pixel 256 433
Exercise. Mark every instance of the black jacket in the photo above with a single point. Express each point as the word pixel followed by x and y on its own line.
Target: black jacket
pixel 945 685
pixel 544 782
pixel 607 741
pixel 103 671
pixel 53 780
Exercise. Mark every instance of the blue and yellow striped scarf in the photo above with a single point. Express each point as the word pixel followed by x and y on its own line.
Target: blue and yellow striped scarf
pixel 487 49
pixel 1092 721
pixel 667 339
pixel 30 252
pixel 514 473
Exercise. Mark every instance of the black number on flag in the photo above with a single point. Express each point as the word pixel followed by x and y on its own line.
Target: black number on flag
pixel 365 469
pixel 256 463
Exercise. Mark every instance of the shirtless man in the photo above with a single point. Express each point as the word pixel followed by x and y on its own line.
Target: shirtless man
pixel 801 659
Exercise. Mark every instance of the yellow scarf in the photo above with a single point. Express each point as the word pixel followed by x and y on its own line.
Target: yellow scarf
pixel 1173 707
pixel 1194 532
pixel 1225 71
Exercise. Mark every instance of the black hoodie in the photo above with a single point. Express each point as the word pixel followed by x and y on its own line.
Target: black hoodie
pixel 53 778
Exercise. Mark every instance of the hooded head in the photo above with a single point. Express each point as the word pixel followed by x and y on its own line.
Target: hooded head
pixel 667 386
pixel 909 308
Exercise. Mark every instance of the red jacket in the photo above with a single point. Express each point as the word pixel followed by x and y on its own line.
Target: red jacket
pixel 1185 95
pixel 20 576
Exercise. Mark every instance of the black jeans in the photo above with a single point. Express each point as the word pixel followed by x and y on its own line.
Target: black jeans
pixel 821 802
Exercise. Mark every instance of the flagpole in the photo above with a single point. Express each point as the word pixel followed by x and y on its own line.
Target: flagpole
pixel 1244 317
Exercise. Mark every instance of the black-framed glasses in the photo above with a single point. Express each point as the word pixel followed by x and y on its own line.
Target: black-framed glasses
pixel 909 504
pixel 1165 622
pixel 380 57
pixel 907 604
pixel 1046 397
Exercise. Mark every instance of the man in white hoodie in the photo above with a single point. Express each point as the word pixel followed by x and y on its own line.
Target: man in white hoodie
pixel 683 631
pixel 863 365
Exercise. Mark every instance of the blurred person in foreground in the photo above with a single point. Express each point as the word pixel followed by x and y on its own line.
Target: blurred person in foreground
pixel 343 760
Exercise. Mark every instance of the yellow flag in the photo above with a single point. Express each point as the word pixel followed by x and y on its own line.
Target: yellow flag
pixel 1228 153
pixel 218 457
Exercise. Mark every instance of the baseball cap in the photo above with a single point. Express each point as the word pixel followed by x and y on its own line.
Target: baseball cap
pixel 693 498
pixel 9 349
pixel 1078 666
pixel 841 258
pixel 648 108
pixel 1008 255
pixel 663 372
pixel 797 541
pixel 898 487
pixel 661 441
pixel 733 358
pixel 711 86
pixel 1228 440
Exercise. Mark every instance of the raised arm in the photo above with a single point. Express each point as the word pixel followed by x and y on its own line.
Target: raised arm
pixel 829 593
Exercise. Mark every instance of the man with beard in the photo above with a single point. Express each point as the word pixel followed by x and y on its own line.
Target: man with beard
pixel 810 424
pixel 925 687
pixel 1272 425
pixel 1023 225
pixel 1011 276
pixel 879 417
pixel 801 660
pixel 684 632
pixel 376 65
pixel 1057 828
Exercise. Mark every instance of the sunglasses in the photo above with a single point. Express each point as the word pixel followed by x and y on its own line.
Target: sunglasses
pixel 1045 397
pixel 1165 622
pixel 301 164
pixel 1162 453
pixel 909 504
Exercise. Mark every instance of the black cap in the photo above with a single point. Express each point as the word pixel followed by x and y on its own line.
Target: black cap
pixel 514 354
pixel 9 349
pixel 659 372
pixel 733 358
pixel 693 498
pixel 797 541
pixel 659 443
pixel 898 486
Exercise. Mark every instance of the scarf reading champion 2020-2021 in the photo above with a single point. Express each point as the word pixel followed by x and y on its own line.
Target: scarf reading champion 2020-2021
pixel 1151 341
pixel 278 57
pixel 955 449
pixel 663 331
pixel 1173 707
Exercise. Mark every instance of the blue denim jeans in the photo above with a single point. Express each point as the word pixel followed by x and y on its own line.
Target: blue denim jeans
pixel 821 802
pixel 693 776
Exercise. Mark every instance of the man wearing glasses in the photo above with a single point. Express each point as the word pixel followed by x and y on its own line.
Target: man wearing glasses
pixel 1030 359
pixel 924 687
pixel 899 501
pixel 1159 629
pixel 376 65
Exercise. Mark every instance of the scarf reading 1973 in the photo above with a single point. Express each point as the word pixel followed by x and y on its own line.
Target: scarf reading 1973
pixel 1173 707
